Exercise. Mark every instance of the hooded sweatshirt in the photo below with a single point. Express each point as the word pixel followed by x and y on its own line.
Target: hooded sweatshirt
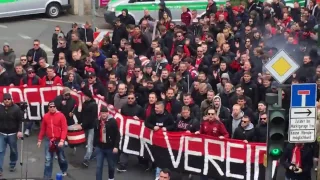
pixel 220 88
pixel 236 122
pixel 222 112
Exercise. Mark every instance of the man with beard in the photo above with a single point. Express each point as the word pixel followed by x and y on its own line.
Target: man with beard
pixel 17 76
pixel 66 104
pixel 207 103
pixel 240 92
pixel 94 85
pixel 222 112
pixel 261 129
pixel 149 108
pixel 170 103
pixel 10 121
pixel 186 122
pixel 194 109
pixel 235 121
pixel 134 110
pixel 262 107
pixel 245 131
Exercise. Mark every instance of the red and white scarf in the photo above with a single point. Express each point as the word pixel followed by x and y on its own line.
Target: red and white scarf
pixel 296 156
pixel 103 138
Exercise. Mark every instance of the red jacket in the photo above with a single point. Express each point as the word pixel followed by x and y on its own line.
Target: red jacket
pixel 186 18
pixel 214 128
pixel 54 126
pixel 45 81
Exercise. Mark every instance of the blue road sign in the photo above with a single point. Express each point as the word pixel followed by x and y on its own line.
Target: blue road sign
pixel 303 95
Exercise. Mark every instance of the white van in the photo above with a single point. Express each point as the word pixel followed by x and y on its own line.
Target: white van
pixel 11 8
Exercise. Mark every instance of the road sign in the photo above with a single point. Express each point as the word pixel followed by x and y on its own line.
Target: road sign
pixel 303 113
pixel 281 66
pixel 303 95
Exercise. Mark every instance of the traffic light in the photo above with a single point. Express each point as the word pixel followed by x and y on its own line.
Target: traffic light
pixel 276 132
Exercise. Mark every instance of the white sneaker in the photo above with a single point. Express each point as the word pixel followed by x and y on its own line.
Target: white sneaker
pixel 27 132
pixel 55 157
pixel 65 143
pixel 64 174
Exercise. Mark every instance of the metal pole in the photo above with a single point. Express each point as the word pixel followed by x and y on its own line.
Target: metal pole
pixel 280 97
pixel 268 172
pixel 318 34
pixel 93 14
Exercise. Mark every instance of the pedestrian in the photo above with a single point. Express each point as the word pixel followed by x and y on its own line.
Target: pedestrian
pixel 89 114
pixel 161 119
pixel 106 141
pixel 54 128
pixel 10 124
pixel 297 159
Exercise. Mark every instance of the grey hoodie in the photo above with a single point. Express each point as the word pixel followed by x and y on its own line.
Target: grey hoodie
pixel 236 121
pixel 220 87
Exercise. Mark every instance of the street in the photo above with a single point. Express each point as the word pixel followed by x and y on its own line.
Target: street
pixel 20 32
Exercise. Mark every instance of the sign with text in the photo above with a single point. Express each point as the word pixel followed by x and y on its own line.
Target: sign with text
pixel 303 113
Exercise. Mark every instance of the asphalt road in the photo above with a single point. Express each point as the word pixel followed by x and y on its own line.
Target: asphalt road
pixel 20 32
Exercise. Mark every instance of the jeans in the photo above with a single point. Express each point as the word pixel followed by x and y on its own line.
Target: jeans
pixel 49 160
pixel 111 159
pixel 10 140
pixel 89 136
pixel 29 125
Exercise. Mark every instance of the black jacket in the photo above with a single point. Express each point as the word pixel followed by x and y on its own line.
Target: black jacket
pixel 10 119
pixel 89 114
pixel 261 131
pixel 66 107
pixel 132 110
pixel 244 133
pixel 190 124
pixel 36 54
pixel 162 120
pixel 112 134
pixel 306 162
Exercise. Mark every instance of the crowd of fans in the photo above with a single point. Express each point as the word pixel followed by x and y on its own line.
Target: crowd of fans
pixel 205 75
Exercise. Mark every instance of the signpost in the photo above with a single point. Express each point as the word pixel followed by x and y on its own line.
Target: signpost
pixel 281 67
pixel 303 113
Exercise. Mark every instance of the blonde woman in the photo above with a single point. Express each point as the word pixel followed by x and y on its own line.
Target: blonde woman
pixel 221 39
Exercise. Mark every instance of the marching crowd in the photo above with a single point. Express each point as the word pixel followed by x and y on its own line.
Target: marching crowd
pixel 203 76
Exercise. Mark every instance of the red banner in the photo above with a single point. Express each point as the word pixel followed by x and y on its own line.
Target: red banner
pixel 193 153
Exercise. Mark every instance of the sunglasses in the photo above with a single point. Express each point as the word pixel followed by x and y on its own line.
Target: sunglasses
pixel 130 98
pixel 56 30
pixel 263 118
pixel 245 121
pixel 211 114
pixel 23 59
pixel 36 44
pixel 6 99
pixel 52 106
pixel 30 72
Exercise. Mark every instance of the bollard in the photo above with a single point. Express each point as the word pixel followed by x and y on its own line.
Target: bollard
pixel 59 176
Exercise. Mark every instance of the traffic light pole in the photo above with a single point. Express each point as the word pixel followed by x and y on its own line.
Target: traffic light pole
pixel 272 100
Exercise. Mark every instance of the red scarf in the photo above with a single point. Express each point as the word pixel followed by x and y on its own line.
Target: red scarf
pixel 169 106
pixel 148 110
pixel 296 156
pixel 198 62
pixel 103 138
